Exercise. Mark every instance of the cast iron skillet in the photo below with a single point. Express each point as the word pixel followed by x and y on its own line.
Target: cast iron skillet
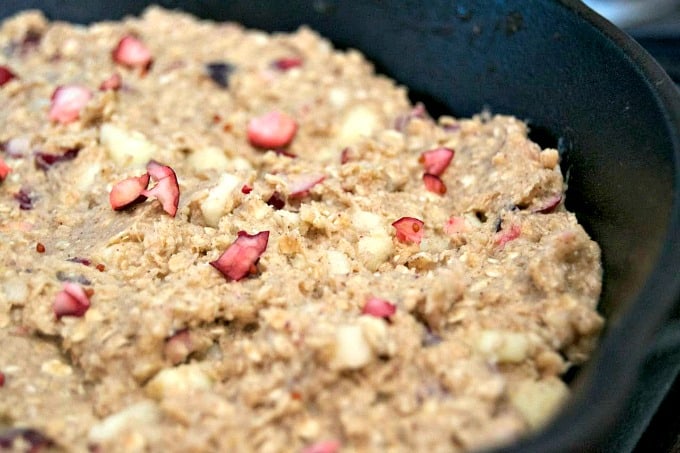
pixel 584 87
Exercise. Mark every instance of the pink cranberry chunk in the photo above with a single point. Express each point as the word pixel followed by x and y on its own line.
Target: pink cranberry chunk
pixel 455 225
pixel 505 236
pixel 71 301
pixel 300 185
pixel 2 379
pixel 67 102
pixel 326 446
pixel 286 63
pixel 436 160
pixel 550 204
pixel 44 161
pixel 166 189
pixel 6 75
pixel 113 82
pixel 242 255
pixel 380 308
pixel 402 121
pixel 434 184
pixel 409 230
pixel 178 347
pixel 132 52
pixel 271 130
pixel 4 169
pixel 128 191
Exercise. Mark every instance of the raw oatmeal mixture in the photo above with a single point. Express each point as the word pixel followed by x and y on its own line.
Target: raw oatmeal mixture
pixel 214 239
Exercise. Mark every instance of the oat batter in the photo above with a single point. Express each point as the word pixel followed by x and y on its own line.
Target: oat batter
pixel 399 284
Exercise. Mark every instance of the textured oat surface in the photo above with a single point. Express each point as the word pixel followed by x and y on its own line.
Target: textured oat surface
pixel 171 356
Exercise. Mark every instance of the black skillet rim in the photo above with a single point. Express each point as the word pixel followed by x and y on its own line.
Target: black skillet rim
pixel 580 425
pixel 586 423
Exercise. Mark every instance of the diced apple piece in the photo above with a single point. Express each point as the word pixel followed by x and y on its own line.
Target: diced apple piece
pixel 352 351
pixel 221 199
pixel 180 379
pixel 359 122
pixel 538 401
pixel 375 250
pixel 367 221
pixel 209 158
pixel 126 147
pixel 143 413
pixel 502 346
pixel 338 263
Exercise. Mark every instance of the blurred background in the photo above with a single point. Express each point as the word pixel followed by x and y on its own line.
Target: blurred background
pixel 631 13
pixel 653 23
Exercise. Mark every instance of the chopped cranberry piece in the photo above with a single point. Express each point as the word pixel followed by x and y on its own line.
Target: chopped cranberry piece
pixel 434 184
pixel 45 160
pixel 455 225
pixel 178 347
pixel 326 446
pixel 241 256
pixel 550 204
pixel 6 75
pixel 31 40
pixel 246 189
pixel 286 63
pixel 2 379
pixel 72 300
pixel 166 189
pixel 24 199
pixel 418 111
pixel 132 52
pixel 409 229
pixel 35 439
pixel 505 236
pixel 114 82
pixel 219 72
pixel 40 247
pixel 284 152
pixel 436 160
pixel 380 308
pixel 128 192
pixel 345 155
pixel 271 130
pixel 300 185
pixel 83 261
pixel 276 201
pixel 4 169
pixel 67 102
